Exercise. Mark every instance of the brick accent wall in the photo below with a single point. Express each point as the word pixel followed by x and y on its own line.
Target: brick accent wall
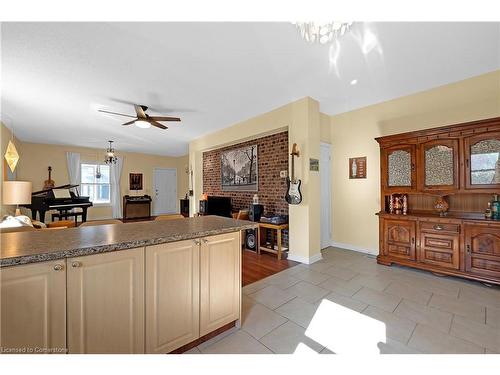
pixel 272 158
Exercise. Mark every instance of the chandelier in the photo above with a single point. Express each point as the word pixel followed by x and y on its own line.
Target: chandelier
pixel 322 33
pixel 110 154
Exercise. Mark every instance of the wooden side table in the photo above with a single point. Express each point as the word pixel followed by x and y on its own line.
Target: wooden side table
pixel 263 227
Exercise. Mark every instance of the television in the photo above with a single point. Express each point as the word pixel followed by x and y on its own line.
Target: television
pixel 220 206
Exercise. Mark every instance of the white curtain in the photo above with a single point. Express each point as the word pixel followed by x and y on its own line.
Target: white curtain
pixel 73 162
pixel 116 173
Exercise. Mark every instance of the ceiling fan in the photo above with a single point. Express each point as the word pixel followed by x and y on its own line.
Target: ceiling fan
pixel 142 119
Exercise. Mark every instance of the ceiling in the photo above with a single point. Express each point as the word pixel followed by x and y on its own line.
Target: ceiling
pixel 55 76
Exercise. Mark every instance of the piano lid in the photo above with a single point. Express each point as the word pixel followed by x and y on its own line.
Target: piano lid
pixel 45 191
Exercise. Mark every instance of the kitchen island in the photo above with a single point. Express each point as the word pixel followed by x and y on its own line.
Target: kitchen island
pixel 147 287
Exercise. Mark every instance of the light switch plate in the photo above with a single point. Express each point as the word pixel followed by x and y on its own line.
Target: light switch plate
pixel 283 174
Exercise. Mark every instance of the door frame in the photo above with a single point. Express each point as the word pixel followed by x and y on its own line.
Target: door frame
pixel 155 212
pixel 328 146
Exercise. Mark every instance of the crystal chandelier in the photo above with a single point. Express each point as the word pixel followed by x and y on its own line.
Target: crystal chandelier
pixel 110 154
pixel 322 33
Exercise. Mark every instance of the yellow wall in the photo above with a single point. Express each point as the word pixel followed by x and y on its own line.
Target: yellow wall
pixel 35 158
pixel 302 119
pixel 355 202
pixel 6 136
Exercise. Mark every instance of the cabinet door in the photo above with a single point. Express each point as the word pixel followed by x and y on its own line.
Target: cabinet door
pixel 172 295
pixel 439 169
pixel 482 161
pixel 33 308
pixel 399 238
pixel 439 249
pixel 482 249
pixel 398 168
pixel 220 285
pixel 106 302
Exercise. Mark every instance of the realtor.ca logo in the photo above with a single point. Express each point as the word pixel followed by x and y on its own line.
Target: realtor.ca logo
pixel 31 350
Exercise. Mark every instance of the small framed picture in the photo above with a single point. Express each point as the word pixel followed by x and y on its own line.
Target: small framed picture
pixel 357 167
pixel 135 181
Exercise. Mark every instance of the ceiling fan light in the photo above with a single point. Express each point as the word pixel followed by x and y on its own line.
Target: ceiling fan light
pixel 142 124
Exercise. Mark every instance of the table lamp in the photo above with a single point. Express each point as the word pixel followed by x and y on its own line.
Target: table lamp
pixel 16 192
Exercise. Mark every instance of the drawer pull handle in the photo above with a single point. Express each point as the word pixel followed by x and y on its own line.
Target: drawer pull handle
pixel 438 227
pixel 76 264
pixel 58 267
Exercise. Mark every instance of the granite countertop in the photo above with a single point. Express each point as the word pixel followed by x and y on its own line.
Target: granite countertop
pixel 40 246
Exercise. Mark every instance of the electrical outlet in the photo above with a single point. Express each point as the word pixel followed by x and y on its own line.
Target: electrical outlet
pixel 283 174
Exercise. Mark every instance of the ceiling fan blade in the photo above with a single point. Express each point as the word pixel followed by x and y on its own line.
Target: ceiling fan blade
pixel 163 118
pixel 157 124
pixel 139 111
pixel 129 123
pixel 115 113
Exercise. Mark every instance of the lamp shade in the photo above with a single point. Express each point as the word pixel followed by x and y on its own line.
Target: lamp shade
pixel 16 192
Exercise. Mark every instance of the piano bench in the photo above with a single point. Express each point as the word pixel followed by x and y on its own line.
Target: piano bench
pixel 66 215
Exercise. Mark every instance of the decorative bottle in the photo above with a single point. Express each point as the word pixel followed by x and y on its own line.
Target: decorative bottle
pixel 487 212
pixel 495 208
pixel 354 168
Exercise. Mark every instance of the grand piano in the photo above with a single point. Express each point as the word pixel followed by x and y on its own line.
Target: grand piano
pixel 60 198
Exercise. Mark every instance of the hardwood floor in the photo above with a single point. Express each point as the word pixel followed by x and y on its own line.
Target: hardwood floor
pixel 256 267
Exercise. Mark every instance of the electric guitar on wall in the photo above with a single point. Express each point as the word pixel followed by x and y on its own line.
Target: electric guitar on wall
pixel 293 194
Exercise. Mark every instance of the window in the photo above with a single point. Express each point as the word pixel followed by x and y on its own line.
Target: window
pixel 98 189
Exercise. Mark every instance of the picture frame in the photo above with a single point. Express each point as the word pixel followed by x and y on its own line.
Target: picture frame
pixel 239 169
pixel 135 181
pixel 357 167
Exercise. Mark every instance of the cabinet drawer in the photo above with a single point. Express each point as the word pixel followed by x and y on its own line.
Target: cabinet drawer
pixel 439 227
pixel 441 250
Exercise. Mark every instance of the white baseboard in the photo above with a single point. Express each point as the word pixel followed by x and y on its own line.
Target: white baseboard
pixel 355 248
pixel 305 260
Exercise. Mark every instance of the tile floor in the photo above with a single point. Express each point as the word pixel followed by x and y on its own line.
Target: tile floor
pixel 347 303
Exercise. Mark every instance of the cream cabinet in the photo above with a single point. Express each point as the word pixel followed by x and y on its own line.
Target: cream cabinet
pixel 33 308
pixel 220 281
pixel 106 302
pixel 172 295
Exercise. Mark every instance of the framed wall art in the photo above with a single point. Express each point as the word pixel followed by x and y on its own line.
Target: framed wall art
pixel 239 169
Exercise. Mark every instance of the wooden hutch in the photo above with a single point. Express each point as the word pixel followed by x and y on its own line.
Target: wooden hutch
pixel 458 162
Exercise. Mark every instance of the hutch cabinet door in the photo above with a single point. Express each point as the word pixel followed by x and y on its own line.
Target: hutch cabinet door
pixel 33 308
pixel 439 244
pixel 172 295
pixel 220 283
pixel 438 168
pixel 482 249
pixel 398 168
pixel 106 303
pixel 482 161
pixel 399 238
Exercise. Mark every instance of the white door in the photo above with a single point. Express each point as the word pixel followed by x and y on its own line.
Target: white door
pixel 164 191
pixel 326 194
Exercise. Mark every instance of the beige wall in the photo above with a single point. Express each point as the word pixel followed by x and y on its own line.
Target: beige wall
pixel 35 158
pixel 355 202
pixel 302 119
pixel 6 136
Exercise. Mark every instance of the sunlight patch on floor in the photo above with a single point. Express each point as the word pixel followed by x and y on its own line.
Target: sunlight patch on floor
pixel 345 331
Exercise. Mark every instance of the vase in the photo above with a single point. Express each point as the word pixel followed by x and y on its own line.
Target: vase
pixel 441 206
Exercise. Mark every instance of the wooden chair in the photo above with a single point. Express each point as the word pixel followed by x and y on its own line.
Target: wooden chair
pixel 241 215
pixel 100 222
pixel 169 217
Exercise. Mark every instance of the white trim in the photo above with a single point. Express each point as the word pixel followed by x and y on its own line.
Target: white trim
pixel 305 260
pixel 328 146
pixel 355 248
